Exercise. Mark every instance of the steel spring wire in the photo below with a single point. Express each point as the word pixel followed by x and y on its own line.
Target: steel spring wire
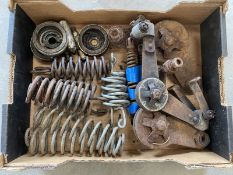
pixel 73 137
pixel 71 95
pixel 132 58
pixel 114 93
pixel 82 70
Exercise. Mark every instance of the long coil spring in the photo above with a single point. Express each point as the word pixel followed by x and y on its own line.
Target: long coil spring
pixel 72 95
pixel 74 136
pixel 82 70
pixel 114 93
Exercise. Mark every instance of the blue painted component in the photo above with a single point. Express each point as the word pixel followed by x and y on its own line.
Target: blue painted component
pixel 131 93
pixel 132 108
pixel 134 74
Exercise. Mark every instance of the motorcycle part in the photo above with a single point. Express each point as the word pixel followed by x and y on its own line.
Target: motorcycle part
pixel 93 40
pixel 116 35
pixel 176 89
pixel 114 93
pixel 171 66
pixel 143 29
pixel 73 137
pixel 180 111
pixel 151 94
pixel 71 43
pixel 76 38
pixel 155 130
pixel 49 40
pixel 82 70
pixel 171 39
pixel 194 86
pixel 72 95
pixel 133 75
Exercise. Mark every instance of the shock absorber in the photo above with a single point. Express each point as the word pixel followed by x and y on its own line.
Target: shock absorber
pixel 133 75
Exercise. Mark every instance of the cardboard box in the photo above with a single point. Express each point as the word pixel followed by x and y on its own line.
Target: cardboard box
pixel 205 23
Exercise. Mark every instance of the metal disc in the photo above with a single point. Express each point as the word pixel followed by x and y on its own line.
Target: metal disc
pixel 48 40
pixel 151 94
pixel 144 122
pixel 93 40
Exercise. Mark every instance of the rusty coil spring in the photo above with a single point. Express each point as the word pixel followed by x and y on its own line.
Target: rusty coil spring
pixel 82 70
pixel 74 136
pixel 73 95
pixel 132 58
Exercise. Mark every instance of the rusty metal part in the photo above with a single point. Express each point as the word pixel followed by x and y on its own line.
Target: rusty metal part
pixel 179 110
pixel 76 38
pixel 155 130
pixel 172 65
pixel 152 94
pixel 71 42
pixel 72 95
pixel 93 40
pixel 116 34
pixel 49 40
pixel 194 86
pixel 88 69
pixel 74 136
pixel 143 29
pixel 132 58
pixel 171 39
pixel 176 89
pixel 98 112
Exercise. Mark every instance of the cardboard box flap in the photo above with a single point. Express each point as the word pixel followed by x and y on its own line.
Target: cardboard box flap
pixel 201 159
pixel 189 11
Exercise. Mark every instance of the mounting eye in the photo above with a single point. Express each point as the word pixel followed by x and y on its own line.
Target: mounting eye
pixel 93 40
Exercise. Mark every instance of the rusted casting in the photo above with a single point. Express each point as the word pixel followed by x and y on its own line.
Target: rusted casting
pixel 204 108
pixel 172 65
pixel 156 130
pixel 116 35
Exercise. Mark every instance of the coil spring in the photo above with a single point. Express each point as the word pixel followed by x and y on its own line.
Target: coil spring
pixel 114 93
pixel 132 59
pixel 82 70
pixel 73 137
pixel 72 95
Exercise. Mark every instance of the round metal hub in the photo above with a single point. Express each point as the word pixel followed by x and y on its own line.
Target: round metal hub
pixel 151 94
pixel 48 40
pixel 93 40
pixel 151 129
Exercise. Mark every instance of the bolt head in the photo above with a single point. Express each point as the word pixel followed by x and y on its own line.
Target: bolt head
pixel 196 120
pixel 210 114
pixel 143 27
pixel 156 94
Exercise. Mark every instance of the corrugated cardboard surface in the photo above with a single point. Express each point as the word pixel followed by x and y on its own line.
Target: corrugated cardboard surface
pixel 186 13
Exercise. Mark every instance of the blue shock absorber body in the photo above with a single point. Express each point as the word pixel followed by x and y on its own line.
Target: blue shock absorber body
pixel 133 76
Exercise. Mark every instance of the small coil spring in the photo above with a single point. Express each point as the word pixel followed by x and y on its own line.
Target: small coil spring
pixel 73 137
pixel 72 95
pixel 114 93
pixel 82 70
pixel 132 57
